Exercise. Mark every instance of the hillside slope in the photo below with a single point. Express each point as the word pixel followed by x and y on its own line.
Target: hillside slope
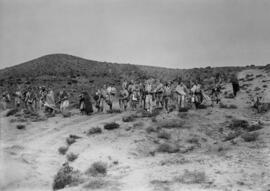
pixel 60 70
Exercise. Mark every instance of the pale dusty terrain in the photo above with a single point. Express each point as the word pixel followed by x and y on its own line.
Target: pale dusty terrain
pixel 30 158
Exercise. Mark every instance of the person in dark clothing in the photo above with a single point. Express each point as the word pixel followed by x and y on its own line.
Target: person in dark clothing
pixel 235 85
pixel 85 103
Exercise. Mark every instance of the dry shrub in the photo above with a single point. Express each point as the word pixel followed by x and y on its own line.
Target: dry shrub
pixel 66 176
pixel 96 183
pixel 184 109
pixel 265 86
pixel 154 113
pixel 66 114
pixel 249 137
pixel 238 123
pixel 229 96
pixel 94 130
pixel 62 150
pixel 254 127
pixel 111 126
pixel 70 140
pixel 232 106
pixel 164 135
pixel 167 148
pixel 114 111
pixel 97 168
pixel 20 126
pixel 224 106
pixel 11 112
pixel 193 140
pixel 154 119
pixel 72 157
pixel 232 135
pixel 138 124
pixel 129 118
pixel 257 89
pixel 172 124
pixel 192 177
pixel 201 106
pixel 150 129
pixel 74 136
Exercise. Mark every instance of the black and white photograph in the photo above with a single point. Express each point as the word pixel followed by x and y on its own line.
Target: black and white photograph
pixel 135 95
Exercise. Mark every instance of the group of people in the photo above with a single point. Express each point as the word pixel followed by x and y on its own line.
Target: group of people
pixel 147 95
pixel 35 99
pixel 153 93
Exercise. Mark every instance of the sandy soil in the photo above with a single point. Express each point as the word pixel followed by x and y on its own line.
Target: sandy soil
pixel 30 158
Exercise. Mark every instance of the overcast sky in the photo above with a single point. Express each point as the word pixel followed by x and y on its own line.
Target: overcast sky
pixel 170 33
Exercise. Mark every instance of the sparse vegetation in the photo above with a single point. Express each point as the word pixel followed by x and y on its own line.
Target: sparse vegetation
pixel 257 89
pixel 224 106
pixel 72 157
pixel 114 111
pixel 167 148
pixel 70 140
pixel 172 124
pixel 66 176
pixel 185 109
pixel 129 118
pixel 254 127
pixel 232 135
pixel 66 114
pixel 193 140
pixel 11 112
pixel 150 129
pixel 138 124
pixel 20 126
pixel 96 183
pixel 111 126
pixel 238 123
pixel 164 135
pixel 94 130
pixel 249 137
pixel 97 168
pixel 229 96
pixel 192 177
pixel 62 150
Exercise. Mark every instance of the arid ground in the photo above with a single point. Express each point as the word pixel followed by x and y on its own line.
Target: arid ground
pixel 215 148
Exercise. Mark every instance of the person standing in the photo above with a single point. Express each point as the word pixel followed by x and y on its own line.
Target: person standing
pixel 159 94
pixel 18 98
pixel 50 102
pixel 5 100
pixel 149 96
pixel 235 85
pixel 181 91
pixel 123 99
pixel 64 102
pixel 166 96
pixel 197 96
pixel 85 103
